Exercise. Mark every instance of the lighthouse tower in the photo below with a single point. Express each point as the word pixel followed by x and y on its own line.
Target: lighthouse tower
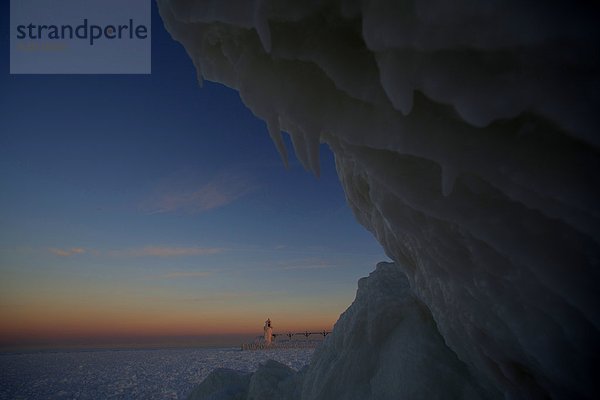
pixel 268 332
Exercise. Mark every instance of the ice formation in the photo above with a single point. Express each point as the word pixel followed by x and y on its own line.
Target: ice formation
pixel 466 139
pixel 272 380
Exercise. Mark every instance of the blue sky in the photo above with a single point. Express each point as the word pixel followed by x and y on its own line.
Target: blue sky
pixel 150 193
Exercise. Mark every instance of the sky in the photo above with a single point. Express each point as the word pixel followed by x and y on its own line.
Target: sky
pixel 140 207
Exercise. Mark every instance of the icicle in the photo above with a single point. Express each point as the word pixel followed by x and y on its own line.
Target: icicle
pixel 449 175
pixel 199 76
pixel 312 147
pixel 299 142
pixel 403 100
pixel 275 133
pixel 261 24
pixel 397 81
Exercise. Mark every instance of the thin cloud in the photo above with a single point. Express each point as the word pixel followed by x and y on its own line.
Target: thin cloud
pixel 189 196
pixel 166 251
pixel 309 266
pixel 231 296
pixel 185 274
pixel 67 252
pixel 303 264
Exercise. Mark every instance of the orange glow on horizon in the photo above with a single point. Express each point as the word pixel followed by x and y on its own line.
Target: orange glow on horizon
pixel 42 308
pixel 53 324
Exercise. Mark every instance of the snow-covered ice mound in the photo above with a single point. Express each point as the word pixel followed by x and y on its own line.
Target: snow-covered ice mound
pixel 466 139
pixel 384 346
pixel 387 346
pixel 272 380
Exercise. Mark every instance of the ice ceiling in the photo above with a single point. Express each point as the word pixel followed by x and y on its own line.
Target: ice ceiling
pixel 466 139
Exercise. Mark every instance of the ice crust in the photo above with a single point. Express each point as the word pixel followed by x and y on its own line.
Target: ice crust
pixel 466 139
pixel 145 374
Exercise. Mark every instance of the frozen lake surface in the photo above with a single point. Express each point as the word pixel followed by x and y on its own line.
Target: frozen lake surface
pixel 126 374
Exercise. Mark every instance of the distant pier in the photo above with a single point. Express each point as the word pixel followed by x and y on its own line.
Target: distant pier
pixel 290 340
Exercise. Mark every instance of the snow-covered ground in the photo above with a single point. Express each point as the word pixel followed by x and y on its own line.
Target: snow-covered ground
pixel 126 374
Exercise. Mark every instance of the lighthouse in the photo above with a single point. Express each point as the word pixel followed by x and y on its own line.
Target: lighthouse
pixel 268 332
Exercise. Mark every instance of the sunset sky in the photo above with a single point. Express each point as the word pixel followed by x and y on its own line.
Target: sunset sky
pixel 144 206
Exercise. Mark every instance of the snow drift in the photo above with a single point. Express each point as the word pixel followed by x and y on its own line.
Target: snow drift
pixel 466 139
